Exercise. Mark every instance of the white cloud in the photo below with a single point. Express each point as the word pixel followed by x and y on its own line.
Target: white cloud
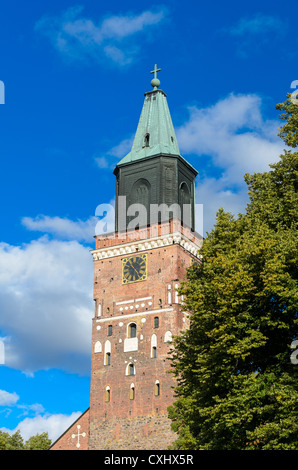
pixel 8 399
pixel 112 37
pixel 62 227
pixel 123 26
pixel 257 24
pixel 54 425
pixel 46 305
pixel 110 158
pixel 254 33
pixel 232 138
pixel 213 194
pixel 102 162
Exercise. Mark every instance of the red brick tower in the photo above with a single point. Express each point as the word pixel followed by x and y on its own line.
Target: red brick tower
pixel 137 313
pixel 136 274
pixel 137 271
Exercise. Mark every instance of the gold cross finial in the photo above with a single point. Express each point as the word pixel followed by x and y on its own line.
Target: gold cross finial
pixel 155 71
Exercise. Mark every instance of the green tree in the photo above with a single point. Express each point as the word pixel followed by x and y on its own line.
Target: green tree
pixel 4 437
pixel 38 442
pixel 236 385
pixel 16 442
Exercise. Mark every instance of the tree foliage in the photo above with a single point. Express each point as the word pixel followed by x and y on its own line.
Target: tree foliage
pixel 16 442
pixel 236 385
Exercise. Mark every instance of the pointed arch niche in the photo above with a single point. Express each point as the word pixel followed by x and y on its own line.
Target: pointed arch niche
pixel 140 194
pixel 98 347
pixel 185 204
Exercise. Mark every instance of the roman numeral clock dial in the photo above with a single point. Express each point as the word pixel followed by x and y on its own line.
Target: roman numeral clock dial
pixel 134 269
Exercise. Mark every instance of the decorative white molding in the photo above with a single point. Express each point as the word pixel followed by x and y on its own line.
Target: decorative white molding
pixel 125 302
pixel 132 315
pixel 158 242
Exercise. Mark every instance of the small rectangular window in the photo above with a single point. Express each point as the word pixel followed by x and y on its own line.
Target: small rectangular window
pixel 110 330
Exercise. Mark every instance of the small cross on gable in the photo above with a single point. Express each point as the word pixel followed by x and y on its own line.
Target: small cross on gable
pixel 83 434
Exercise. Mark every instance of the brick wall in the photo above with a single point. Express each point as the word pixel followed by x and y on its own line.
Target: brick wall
pixel 118 421
pixel 67 442
pixel 149 432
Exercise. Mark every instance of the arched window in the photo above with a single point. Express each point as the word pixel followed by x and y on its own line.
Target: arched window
pixel 168 337
pixel 156 322
pixel 157 388
pixel 130 369
pixel 107 359
pixel 146 140
pixel 107 356
pixel 153 346
pixel 97 347
pixel 108 394
pixel 132 392
pixel 132 330
pixel 169 294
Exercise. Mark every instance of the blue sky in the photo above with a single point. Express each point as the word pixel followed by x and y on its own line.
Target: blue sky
pixel 75 74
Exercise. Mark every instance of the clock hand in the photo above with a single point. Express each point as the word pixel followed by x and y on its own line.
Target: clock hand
pixel 133 267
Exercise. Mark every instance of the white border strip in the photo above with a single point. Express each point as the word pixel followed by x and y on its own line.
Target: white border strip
pixel 122 317
pixel 145 245
pixel 125 302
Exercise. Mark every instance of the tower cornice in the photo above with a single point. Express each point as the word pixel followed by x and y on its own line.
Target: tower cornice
pixel 130 247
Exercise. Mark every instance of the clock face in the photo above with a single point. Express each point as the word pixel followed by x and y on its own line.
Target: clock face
pixel 134 269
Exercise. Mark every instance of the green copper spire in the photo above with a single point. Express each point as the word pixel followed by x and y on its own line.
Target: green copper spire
pixel 155 133
pixel 154 172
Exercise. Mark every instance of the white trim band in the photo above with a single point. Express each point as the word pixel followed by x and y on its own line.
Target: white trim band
pixel 158 242
pixel 122 317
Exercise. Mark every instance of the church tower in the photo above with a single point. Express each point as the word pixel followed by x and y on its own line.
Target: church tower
pixel 137 270
pixel 154 172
